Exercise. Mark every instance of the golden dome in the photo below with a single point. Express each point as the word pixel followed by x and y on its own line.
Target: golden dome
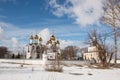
pixel 49 42
pixel 40 39
pixel 31 37
pixel 36 36
pixel 52 38
pixel 57 42
pixel 40 45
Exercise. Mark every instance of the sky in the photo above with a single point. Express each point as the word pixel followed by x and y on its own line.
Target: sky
pixel 69 20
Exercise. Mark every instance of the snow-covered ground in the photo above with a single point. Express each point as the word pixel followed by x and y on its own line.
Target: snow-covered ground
pixel 11 71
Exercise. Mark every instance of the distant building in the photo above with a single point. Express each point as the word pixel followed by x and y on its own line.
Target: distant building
pixel 79 55
pixel 3 52
pixel 35 49
pixel 52 48
pixel 93 52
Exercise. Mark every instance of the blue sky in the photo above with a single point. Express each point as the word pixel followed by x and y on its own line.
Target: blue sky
pixel 71 20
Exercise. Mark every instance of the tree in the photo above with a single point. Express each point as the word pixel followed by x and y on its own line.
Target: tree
pixel 18 56
pixel 69 52
pixel 99 40
pixel 112 18
pixel 3 51
pixel 13 56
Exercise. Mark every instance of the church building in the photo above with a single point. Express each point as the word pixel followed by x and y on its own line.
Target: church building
pixel 95 52
pixel 35 49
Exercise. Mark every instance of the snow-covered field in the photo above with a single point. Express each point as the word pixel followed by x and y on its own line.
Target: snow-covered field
pixel 10 71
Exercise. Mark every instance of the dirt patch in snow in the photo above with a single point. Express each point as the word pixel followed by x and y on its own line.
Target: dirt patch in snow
pixel 76 73
pixel 90 74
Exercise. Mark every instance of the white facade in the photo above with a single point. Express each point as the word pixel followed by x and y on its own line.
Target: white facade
pixel 51 56
pixel 91 54
pixel 35 49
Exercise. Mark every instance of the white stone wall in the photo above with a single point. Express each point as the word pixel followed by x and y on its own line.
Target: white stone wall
pixel 92 49
pixel 30 51
pixel 92 53
pixel 51 55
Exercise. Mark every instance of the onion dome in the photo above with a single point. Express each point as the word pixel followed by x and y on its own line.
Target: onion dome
pixel 36 36
pixel 57 42
pixel 40 45
pixel 31 37
pixel 52 38
pixel 49 42
pixel 40 39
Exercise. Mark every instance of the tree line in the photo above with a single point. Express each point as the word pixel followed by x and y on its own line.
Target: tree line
pixel 68 53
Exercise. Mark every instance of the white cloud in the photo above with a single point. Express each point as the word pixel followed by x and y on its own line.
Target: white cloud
pixel 3 37
pixel 3 24
pixel 14 41
pixel 1 33
pixel 65 43
pixel 16 37
pixel 13 37
pixel 85 12
pixel 45 34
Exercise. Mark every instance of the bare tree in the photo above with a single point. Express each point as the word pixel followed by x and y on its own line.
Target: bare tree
pixel 3 51
pixel 112 18
pixel 99 40
pixel 69 52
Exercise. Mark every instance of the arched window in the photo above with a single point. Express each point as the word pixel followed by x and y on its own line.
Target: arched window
pixel 28 49
pixel 38 49
pixel 33 47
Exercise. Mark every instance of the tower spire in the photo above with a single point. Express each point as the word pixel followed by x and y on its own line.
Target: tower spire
pixel 40 39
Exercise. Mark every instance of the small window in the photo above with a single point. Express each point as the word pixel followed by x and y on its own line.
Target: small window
pixel 51 57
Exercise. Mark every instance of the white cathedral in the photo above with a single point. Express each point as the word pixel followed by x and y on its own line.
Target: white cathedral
pixel 35 49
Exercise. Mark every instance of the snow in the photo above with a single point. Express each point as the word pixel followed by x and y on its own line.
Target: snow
pixel 12 71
